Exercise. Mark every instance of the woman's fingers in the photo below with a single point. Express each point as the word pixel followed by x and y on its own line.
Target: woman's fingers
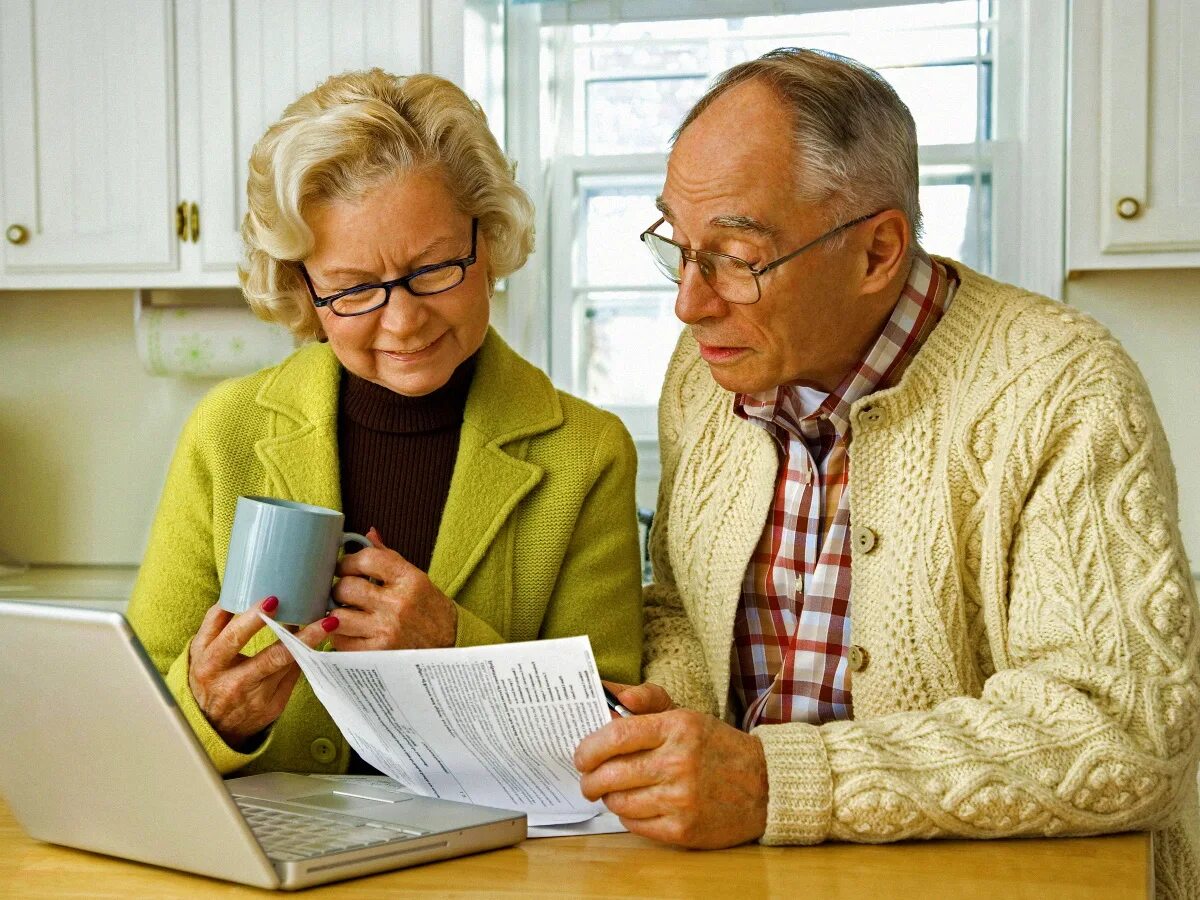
pixel 357 592
pixel 379 563
pixel 278 658
pixel 214 622
pixel 224 649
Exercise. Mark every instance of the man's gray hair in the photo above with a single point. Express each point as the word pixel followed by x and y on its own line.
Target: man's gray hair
pixel 855 140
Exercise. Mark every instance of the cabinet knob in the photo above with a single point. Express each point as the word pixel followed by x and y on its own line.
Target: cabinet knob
pixel 194 222
pixel 1128 208
pixel 16 234
pixel 181 220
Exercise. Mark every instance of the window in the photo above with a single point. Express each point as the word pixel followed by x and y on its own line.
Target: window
pixel 611 90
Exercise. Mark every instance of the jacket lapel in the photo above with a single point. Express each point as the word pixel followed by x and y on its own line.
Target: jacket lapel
pixel 300 454
pixel 510 400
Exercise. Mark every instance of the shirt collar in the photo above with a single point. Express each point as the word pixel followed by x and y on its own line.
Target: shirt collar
pixel 923 300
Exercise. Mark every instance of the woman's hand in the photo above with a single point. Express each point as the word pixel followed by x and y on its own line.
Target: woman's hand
pixel 242 695
pixel 389 604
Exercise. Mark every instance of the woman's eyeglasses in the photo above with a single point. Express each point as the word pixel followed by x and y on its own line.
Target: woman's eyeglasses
pixel 425 281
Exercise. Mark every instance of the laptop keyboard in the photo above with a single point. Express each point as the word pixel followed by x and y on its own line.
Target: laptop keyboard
pixel 288 836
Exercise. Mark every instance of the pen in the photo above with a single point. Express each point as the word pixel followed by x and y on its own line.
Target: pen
pixel 614 704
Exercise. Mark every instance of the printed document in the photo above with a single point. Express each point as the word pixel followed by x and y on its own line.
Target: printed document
pixel 494 725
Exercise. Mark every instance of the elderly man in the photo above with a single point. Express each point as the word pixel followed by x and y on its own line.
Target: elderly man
pixel 917 563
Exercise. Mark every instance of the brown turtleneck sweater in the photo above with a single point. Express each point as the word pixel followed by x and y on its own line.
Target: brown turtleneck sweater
pixel 397 457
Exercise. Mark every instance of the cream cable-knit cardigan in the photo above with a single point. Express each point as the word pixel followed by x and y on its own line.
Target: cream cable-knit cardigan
pixel 1026 606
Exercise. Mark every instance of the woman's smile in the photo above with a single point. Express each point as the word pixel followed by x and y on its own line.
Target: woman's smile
pixel 416 353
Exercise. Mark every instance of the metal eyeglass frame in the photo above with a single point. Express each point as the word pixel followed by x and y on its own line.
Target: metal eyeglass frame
pixel 687 254
pixel 404 281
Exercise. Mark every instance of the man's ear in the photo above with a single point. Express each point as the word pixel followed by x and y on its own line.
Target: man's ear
pixel 885 245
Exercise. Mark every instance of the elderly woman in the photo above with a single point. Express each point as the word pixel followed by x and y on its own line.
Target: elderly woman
pixel 381 214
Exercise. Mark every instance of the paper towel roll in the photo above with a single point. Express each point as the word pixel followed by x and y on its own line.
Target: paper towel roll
pixel 207 342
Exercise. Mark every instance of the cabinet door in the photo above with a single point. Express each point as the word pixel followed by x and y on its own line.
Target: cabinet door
pixel 1135 198
pixel 87 135
pixel 256 57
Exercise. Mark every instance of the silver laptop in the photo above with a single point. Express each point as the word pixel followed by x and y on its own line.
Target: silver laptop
pixel 95 754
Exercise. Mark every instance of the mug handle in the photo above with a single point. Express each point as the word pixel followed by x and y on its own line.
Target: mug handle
pixel 348 537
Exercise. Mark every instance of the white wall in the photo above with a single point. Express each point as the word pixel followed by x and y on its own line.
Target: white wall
pixel 86 435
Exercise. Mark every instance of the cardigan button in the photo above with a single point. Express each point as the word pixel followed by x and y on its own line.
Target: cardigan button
pixel 863 538
pixel 872 415
pixel 858 658
pixel 323 750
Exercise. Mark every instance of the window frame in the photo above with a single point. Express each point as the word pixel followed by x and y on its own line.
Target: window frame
pixel 1025 158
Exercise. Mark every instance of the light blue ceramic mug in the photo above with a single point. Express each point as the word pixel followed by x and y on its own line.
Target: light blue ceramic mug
pixel 284 549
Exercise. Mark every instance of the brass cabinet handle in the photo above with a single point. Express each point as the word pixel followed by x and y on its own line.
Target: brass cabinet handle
pixel 194 222
pixel 181 220
pixel 16 234
pixel 1128 208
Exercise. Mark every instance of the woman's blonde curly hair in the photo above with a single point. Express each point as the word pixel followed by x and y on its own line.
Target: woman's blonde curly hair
pixel 346 137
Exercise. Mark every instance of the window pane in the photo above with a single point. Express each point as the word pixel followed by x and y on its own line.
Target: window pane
pixel 625 341
pixel 876 49
pixel 944 101
pixel 886 18
pixel 612 253
pixel 956 208
pixel 668 57
pixel 637 116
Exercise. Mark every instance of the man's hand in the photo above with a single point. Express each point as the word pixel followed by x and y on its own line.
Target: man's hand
pixel 676 776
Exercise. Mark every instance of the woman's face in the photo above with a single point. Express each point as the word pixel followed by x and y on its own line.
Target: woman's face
pixel 413 344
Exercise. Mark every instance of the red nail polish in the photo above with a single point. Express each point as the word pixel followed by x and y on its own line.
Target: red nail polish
pixel 330 623
pixel 270 604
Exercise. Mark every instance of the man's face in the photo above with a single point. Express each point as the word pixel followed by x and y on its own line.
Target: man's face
pixel 730 188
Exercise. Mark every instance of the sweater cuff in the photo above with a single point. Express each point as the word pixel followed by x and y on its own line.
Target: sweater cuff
pixel 473 631
pixel 800 802
pixel 224 757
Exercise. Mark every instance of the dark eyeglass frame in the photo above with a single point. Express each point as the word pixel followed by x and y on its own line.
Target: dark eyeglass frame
pixel 404 281
pixel 687 254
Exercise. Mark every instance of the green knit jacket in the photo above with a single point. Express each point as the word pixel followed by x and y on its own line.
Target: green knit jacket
pixel 538 538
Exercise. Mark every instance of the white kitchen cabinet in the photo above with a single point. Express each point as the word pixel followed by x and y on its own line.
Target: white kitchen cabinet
pixel 127 125
pixel 1134 136
pixel 87 136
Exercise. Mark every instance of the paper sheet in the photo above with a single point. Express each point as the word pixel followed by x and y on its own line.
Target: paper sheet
pixel 605 823
pixel 494 725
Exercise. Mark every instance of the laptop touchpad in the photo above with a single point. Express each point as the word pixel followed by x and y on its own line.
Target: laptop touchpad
pixel 345 802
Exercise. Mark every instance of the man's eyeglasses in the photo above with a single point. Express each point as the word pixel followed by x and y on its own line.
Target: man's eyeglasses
pixel 732 279
pixel 427 280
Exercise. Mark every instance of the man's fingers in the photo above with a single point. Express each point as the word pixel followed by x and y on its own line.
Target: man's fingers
pixel 666 829
pixel 617 738
pixel 639 803
pixel 629 772
pixel 644 698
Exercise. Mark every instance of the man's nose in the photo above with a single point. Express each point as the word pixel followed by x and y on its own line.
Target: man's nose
pixel 696 301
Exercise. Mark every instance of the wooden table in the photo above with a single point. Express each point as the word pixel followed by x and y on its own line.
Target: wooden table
pixel 622 865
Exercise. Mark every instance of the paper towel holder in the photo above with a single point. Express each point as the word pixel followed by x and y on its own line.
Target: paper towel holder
pixel 200 338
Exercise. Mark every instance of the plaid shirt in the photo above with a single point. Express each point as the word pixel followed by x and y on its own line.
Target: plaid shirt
pixel 792 631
